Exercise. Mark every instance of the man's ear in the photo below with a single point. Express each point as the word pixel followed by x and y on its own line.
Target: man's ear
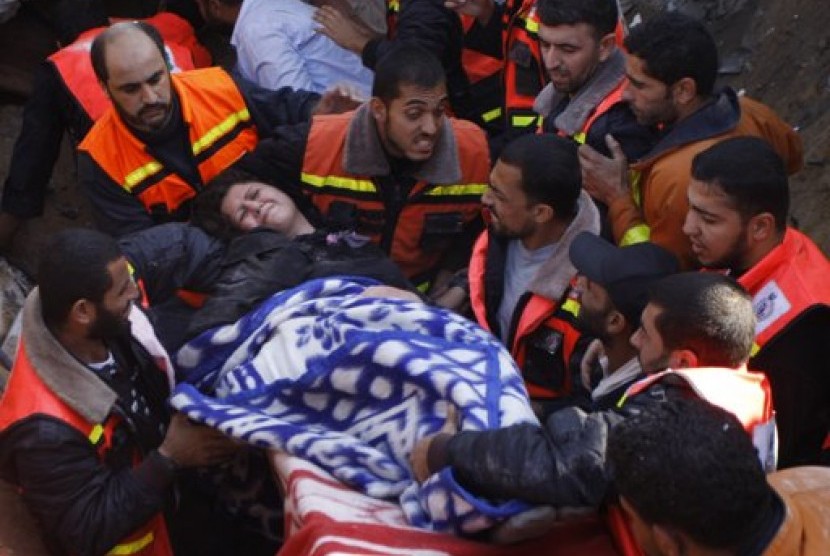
pixel 761 227
pixel 378 109
pixel 615 323
pixel 607 44
pixel 83 312
pixel 684 91
pixel 683 359
pixel 543 213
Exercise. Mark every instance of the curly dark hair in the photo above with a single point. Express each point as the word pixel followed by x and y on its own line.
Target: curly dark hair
pixel 690 465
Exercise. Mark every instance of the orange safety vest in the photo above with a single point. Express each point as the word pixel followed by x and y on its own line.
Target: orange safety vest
pixel 393 7
pixel 789 280
pixel 544 329
pixel 75 67
pixel 26 395
pixel 524 73
pixel 417 237
pixel 743 393
pixel 611 99
pixel 220 129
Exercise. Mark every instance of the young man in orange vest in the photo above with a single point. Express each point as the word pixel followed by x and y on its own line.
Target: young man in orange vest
pixel 692 320
pixel 84 427
pixel 66 97
pixel 690 482
pixel 167 135
pixel 672 64
pixel 396 170
pixel 737 222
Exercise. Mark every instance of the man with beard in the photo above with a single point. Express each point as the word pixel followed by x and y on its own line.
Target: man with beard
pixel 613 283
pixel 737 222
pixel 694 340
pixel 166 135
pixel 396 170
pixel 520 273
pixel 672 64
pixel 85 432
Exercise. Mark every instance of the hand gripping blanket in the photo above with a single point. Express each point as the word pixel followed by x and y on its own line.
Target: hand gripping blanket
pixel 350 383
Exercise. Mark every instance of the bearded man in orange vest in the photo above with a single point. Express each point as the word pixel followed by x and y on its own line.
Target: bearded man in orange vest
pixel 167 135
pixel 85 432
pixel 737 222
pixel 397 170
pixel 692 320
pixel 66 97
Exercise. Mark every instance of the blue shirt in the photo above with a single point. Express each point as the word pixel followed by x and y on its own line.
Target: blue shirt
pixel 277 46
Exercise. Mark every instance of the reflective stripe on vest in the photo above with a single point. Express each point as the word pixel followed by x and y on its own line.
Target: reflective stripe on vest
pixel 220 132
pixel 326 183
pixel 75 67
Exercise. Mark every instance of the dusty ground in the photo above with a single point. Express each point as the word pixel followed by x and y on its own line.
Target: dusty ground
pixel 781 51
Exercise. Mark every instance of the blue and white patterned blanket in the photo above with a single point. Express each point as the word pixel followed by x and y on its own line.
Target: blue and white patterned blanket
pixel 351 383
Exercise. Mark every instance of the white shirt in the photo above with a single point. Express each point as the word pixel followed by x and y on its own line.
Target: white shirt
pixel 277 46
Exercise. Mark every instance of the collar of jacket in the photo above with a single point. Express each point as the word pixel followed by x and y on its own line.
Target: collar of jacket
pixel 364 154
pixel 718 116
pixel 71 381
pixel 571 120
pixel 555 274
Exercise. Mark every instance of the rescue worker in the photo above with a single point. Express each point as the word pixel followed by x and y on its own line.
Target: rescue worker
pixel 66 97
pixel 166 136
pixel 691 320
pixel 672 63
pixel 520 273
pixel 737 222
pixel 396 170
pixel 676 468
pixel 85 432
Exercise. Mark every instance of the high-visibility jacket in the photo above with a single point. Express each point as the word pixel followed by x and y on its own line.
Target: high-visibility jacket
pixel 524 73
pixel 611 99
pixel 788 281
pixel 415 231
pixel 743 393
pixel 543 334
pixel 393 7
pixel 220 132
pixel 27 394
pixel 75 67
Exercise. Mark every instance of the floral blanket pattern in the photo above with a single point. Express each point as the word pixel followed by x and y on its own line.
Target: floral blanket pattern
pixel 350 383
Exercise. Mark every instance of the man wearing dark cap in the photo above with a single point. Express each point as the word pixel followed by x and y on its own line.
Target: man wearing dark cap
pixel 613 283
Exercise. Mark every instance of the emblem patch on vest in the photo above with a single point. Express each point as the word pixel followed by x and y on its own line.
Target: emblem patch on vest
pixel 769 304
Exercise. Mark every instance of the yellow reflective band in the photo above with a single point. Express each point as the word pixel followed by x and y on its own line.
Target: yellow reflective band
pixel 363 186
pixel 636 234
pixel 531 25
pixel 491 115
pixel 423 287
pixel 634 179
pixel 755 349
pixel 220 130
pixel 580 137
pixel 132 547
pixel 137 176
pixel 394 5
pixel 458 189
pixel 95 434
pixel 523 121
pixel 622 400
pixel 571 306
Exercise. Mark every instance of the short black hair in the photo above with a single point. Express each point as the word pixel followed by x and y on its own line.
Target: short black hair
pixel 602 15
pixel 674 46
pixel 207 206
pixel 750 173
pixel 707 313
pixel 550 170
pixel 690 465
pixel 98 50
pixel 73 266
pixel 406 64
